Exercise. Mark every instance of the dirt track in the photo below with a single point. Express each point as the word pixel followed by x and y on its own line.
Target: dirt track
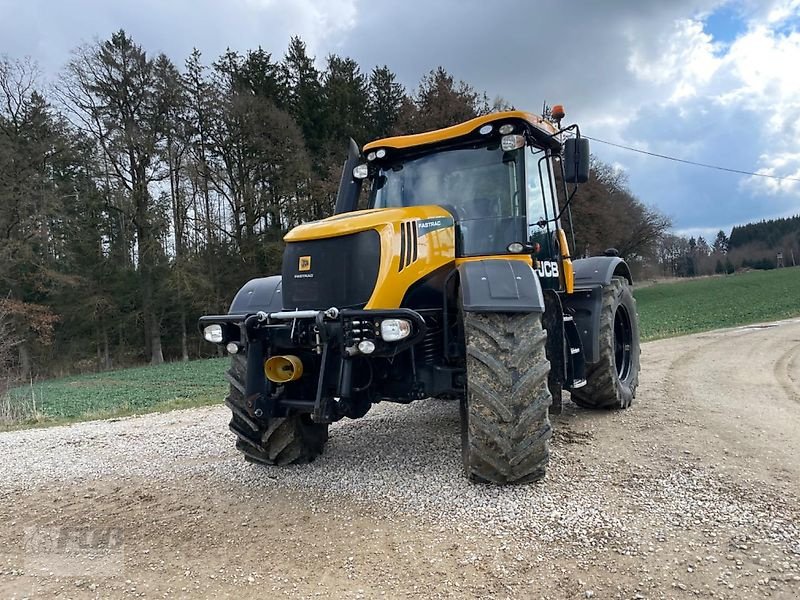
pixel 694 492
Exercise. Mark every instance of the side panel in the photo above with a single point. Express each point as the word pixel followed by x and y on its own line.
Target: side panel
pixel 411 249
pixel 499 285
pixel 263 293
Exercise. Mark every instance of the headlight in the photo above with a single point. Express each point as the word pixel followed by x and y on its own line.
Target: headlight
pixel 360 171
pixel 511 142
pixel 395 329
pixel 213 333
pixel 366 346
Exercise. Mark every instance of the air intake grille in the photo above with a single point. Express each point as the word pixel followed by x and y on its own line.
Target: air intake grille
pixel 408 244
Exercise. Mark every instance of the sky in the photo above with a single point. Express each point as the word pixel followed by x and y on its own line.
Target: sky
pixel 712 81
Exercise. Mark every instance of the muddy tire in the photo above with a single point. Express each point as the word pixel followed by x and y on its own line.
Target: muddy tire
pixel 291 440
pixel 505 427
pixel 611 382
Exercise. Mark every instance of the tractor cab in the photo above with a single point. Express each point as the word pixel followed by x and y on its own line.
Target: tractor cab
pixel 497 175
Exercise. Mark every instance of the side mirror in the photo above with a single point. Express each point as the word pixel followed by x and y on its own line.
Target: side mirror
pixel 576 160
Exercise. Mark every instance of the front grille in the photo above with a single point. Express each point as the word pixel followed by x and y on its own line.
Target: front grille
pixel 340 271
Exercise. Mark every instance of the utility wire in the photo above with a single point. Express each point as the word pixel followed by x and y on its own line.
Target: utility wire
pixel 689 162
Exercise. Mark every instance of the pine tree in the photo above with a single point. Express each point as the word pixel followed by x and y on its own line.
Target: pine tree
pixel 721 243
pixel 346 102
pixel 386 98
pixel 302 80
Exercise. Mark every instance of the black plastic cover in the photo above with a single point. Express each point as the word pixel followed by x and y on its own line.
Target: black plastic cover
pixel 263 293
pixel 598 270
pixel 339 271
pixel 499 285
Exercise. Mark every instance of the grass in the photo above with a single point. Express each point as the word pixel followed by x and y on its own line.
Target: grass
pixel 116 393
pixel 665 310
pixel 670 309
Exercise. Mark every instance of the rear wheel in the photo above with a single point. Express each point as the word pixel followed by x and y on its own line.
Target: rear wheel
pixel 291 440
pixel 611 382
pixel 504 414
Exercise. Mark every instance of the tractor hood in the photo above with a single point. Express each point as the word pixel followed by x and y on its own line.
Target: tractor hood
pixel 368 258
pixel 376 218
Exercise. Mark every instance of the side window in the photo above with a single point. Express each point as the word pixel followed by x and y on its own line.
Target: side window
pixel 540 200
pixel 534 191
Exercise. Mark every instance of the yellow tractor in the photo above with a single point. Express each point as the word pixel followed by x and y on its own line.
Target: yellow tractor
pixel 455 280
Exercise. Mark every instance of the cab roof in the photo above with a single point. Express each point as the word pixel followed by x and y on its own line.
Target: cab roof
pixel 541 129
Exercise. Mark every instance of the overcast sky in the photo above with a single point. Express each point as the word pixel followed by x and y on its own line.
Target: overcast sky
pixel 704 80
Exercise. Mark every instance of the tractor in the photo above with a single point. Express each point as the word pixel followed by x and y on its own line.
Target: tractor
pixel 444 272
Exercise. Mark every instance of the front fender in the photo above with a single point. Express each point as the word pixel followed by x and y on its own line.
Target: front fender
pixel 263 293
pixel 500 285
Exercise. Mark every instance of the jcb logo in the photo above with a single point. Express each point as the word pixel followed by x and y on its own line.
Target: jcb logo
pixel 547 268
pixel 304 264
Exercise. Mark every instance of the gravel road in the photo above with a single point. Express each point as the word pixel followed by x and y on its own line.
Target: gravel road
pixel 693 492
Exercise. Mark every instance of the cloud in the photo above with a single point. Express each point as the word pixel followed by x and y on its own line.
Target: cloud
pixel 48 30
pixel 709 80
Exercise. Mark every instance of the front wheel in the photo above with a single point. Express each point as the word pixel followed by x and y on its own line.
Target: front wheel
pixel 278 441
pixel 504 414
pixel 611 382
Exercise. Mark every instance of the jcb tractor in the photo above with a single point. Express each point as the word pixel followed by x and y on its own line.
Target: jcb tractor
pixel 456 282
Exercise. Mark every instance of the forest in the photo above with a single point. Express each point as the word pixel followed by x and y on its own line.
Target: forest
pixel 137 194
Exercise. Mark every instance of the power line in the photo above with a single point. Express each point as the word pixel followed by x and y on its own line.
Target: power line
pixel 689 162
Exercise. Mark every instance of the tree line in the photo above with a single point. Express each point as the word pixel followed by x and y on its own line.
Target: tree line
pixel 767 244
pixel 136 195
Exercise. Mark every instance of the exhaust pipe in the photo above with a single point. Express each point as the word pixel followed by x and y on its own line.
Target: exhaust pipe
pixel 283 368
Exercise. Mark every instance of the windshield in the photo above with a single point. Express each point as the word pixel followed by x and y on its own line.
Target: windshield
pixel 484 187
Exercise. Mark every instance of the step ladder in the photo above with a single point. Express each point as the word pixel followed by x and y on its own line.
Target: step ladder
pixel 576 362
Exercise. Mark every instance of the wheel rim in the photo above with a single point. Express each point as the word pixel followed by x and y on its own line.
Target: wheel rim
pixel 623 341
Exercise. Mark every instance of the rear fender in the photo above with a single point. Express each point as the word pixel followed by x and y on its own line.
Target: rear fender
pixel 599 270
pixel 499 285
pixel 585 303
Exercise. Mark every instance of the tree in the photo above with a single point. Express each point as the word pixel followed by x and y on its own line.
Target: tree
pixel 440 101
pixel 720 243
pixel 8 346
pixel 261 168
pixel 386 98
pixel 35 151
pixel 346 100
pixel 605 214
pixel 116 94
pixel 304 90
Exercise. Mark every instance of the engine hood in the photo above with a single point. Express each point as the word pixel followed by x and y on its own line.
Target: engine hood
pixel 362 220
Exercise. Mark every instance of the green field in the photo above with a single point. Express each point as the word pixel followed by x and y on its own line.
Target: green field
pixel 665 309
pixel 119 393
pixel 670 309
